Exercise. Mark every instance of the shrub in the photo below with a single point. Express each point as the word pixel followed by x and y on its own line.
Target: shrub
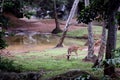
pixel 9 65
pixel 2 41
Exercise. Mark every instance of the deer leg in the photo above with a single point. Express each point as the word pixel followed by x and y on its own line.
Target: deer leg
pixel 68 55
pixel 76 55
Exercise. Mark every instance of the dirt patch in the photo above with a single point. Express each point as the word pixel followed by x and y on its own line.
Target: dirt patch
pixel 5 52
pixel 36 25
pixel 41 25
pixel 28 48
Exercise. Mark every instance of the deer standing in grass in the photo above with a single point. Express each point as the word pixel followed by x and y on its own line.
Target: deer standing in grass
pixel 72 49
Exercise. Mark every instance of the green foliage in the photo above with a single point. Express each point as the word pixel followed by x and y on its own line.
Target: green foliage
pixel 106 78
pixel 102 8
pixel 83 77
pixel 87 15
pixel 9 65
pixel 8 3
pixel 2 41
pixel 13 4
pixel 118 18
pixel 14 7
pixel 49 3
pixel 28 14
pixel 115 61
pixel 3 21
pixel 6 64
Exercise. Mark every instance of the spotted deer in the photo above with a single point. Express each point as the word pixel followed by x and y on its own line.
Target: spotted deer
pixel 97 42
pixel 71 49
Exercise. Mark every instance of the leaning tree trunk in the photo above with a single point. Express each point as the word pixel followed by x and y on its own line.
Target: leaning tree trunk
pixel 102 47
pixel 72 12
pixel 111 44
pixel 57 28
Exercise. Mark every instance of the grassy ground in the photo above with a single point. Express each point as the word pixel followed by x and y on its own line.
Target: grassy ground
pixel 118 39
pixel 78 33
pixel 53 61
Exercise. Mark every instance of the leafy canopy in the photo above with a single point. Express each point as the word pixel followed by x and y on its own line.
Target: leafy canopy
pixel 98 8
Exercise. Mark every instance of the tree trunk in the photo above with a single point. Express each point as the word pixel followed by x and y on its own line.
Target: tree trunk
pixel 102 47
pixel 90 57
pixel 111 44
pixel 87 2
pixel 60 44
pixel 90 40
pixel 57 28
pixel 72 12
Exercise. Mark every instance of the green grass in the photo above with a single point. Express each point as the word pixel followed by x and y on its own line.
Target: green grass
pixel 71 41
pixel 118 39
pixel 53 61
pixel 83 31
pixel 97 30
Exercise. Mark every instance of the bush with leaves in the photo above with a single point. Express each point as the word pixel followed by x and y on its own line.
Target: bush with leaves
pixel 4 21
pixel 6 64
pixel 2 41
pixel 9 65
pixel 118 18
pixel 115 61
pixel 14 7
